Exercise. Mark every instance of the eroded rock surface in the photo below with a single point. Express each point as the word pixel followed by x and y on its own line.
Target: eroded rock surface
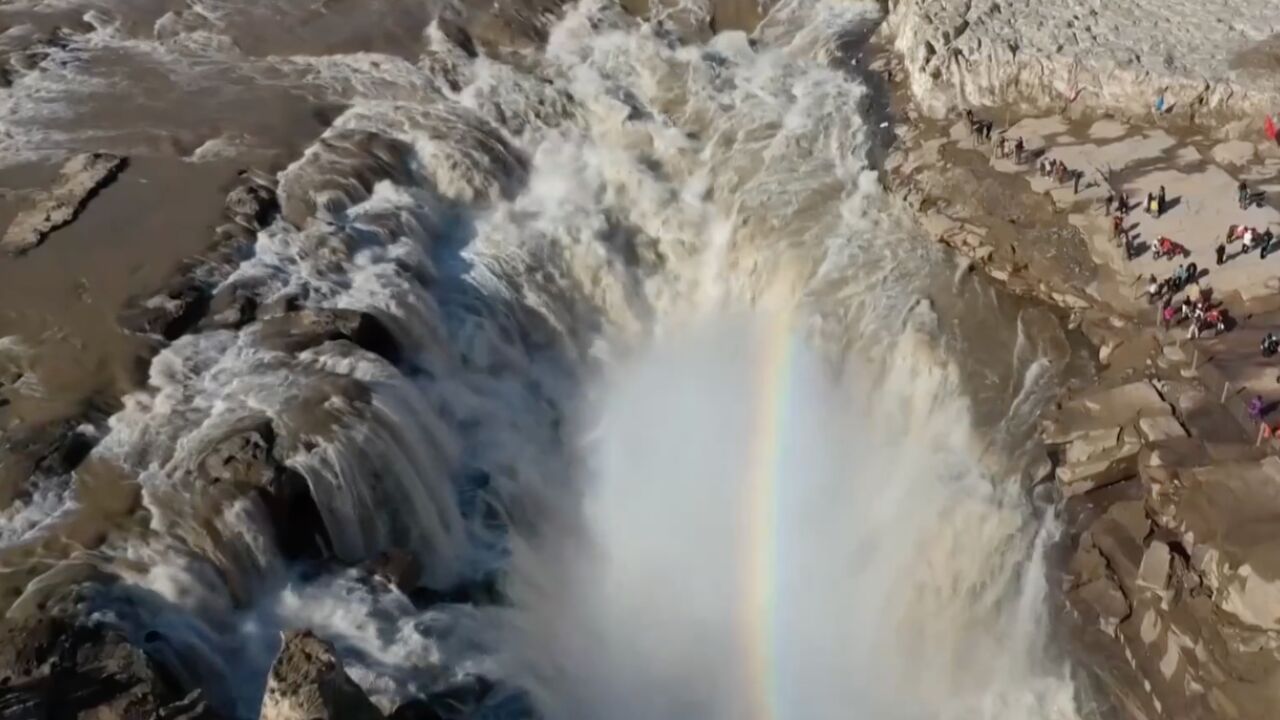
pixel 308 682
pixel 56 668
pixel 1108 56
pixel 1184 570
pixel 80 178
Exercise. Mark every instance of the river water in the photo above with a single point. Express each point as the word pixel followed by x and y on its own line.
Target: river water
pixel 736 438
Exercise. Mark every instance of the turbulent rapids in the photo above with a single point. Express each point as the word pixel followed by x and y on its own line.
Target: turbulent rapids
pixel 666 374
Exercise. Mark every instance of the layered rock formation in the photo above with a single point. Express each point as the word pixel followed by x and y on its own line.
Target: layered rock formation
pixel 1176 556
pixel 1107 56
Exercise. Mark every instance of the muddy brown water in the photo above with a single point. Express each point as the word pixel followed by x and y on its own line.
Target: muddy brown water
pixel 65 295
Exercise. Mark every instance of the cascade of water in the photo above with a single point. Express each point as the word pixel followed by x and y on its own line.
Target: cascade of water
pixel 574 215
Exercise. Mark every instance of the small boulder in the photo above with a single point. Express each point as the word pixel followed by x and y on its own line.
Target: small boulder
pixel 171 314
pixel 308 682
pixel 253 205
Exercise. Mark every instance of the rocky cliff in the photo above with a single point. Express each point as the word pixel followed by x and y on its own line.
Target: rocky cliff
pixel 1117 57
pixel 1176 556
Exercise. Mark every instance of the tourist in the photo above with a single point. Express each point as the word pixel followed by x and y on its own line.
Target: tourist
pixel 1117 225
pixel 1270 345
pixel 1160 199
pixel 1265 244
pixel 1247 246
pixel 987 127
pixel 1242 194
pixel 1220 253
pixel 1255 408
pixel 1075 177
pixel 1151 204
pixel 1217 319
pixel 1154 289
pixel 1168 314
pixel 1107 202
pixel 1002 147
pixel 1018 148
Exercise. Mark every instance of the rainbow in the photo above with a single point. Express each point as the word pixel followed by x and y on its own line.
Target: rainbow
pixel 762 537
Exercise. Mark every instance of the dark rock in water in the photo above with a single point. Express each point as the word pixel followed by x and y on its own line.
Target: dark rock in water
pixel 80 179
pixel 471 697
pixel 397 568
pixel 58 669
pixel 458 35
pixel 243 457
pixel 485 590
pixel 248 457
pixel 68 451
pixel 232 307
pixel 343 173
pixel 253 205
pixel 300 529
pixel 298 331
pixel 171 314
pixel 308 682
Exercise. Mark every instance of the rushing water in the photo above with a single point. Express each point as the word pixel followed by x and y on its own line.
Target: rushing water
pixel 576 247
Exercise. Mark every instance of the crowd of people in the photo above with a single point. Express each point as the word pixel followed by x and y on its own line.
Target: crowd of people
pixel 1179 297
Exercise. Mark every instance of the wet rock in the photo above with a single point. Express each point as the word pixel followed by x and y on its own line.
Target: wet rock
pixel 308 682
pixel 243 457
pixel 341 171
pixel 253 205
pixel 458 34
pixel 297 331
pixel 456 702
pixel 170 314
pixel 485 590
pixel 81 177
pixel 247 456
pixel 397 568
pixel 56 668
pixel 232 307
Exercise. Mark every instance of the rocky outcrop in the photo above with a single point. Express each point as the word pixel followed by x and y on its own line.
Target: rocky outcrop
pixel 308 682
pixel 81 178
pixel 1101 433
pixel 253 203
pixel 1116 57
pixel 189 300
pixel 60 669
pixel 296 331
pixel 247 457
pixel 1183 571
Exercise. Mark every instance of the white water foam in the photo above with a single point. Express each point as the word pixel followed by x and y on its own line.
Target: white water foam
pixel 908 585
